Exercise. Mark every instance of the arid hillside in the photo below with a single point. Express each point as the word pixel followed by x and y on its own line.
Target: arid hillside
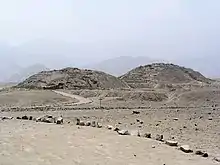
pixel 160 74
pixel 72 78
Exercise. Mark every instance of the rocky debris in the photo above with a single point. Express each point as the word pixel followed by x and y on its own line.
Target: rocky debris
pixel 6 118
pixel 99 125
pixel 110 127
pixel 72 78
pixel 147 135
pixel 159 138
pixel 81 123
pixel 217 159
pixel 123 132
pixel 77 121
pixel 24 117
pixel 172 143
pixel 136 112
pixel 199 152
pixel 59 120
pixel 93 124
pixel 186 149
pixel 88 123
pixel 38 119
pixel 116 129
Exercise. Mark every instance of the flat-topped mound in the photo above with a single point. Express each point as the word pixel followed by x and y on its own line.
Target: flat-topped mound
pixel 72 78
pixel 162 74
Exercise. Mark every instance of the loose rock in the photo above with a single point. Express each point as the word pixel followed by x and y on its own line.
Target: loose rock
pixel 147 135
pixel 24 117
pixel 110 127
pixel 99 125
pixel 136 112
pixel 159 137
pixel 82 123
pixel 93 124
pixel 59 120
pixel 217 159
pixel 172 143
pixel 123 132
pixel 186 149
pixel 88 123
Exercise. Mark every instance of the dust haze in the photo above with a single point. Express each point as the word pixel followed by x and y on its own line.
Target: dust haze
pixel 55 34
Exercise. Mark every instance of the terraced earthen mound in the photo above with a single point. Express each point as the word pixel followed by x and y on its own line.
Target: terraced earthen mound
pixel 72 78
pixel 162 75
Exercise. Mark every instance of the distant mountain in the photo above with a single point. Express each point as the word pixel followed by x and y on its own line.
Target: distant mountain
pixel 120 65
pixel 24 73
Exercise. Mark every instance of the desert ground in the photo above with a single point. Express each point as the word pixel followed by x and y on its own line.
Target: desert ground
pixel 190 118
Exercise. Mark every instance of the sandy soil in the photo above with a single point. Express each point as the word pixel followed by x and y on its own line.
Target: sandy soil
pixel 51 144
pixel 27 142
pixel 32 98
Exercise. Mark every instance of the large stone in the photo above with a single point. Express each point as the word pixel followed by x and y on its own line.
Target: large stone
pixel 217 159
pixel 99 125
pixel 186 149
pixel 110 127
pixel 88 123
pixel 172 143
pixel 147 135
pixel 59 120
pixel 77 121
pixel 123 132
pixel 159 137
pixel 93 124
pixel 24 117
pixel 82 123
pixel 6 118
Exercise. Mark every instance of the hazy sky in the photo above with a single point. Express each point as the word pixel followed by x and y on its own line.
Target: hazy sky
pixel 109 28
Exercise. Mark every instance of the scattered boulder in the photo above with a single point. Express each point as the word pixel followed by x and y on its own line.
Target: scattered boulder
pixel 136 112
pixel 93 124
pixel 59 120
pixel 6 118
pixel 38 119
pixel 159 137
pixel 81 123
pixel 172 143
pixel 123 132
pixel 99 125
pixel 110 127
pixel 186 149
pixel 77 121
pixel 205 155
pixel 30 117
pixel 24 117
pixel 18 118
pixel 217 159
pixel 147 135
pixel 88 123
pixel 176 119
pixel 116 129
pixel 199 153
